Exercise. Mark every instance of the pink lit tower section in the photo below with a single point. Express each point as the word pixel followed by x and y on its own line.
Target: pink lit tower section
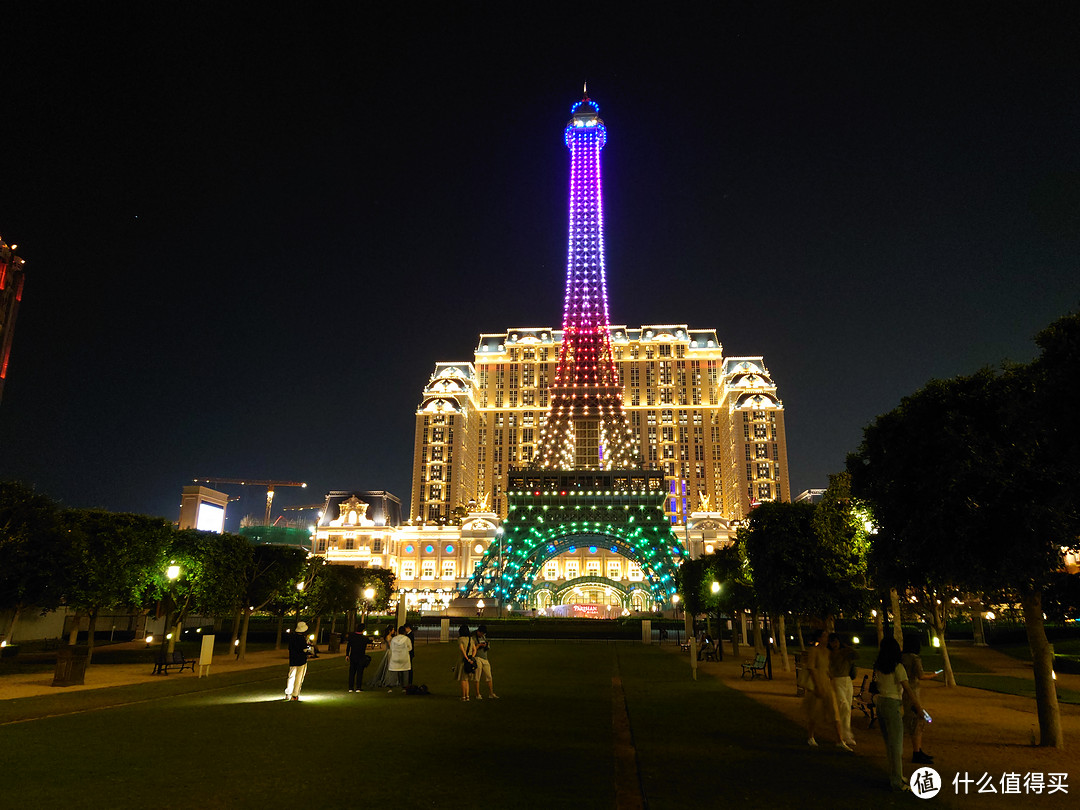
pixel 586 427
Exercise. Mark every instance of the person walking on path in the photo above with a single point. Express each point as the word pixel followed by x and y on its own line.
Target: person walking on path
pixel 914 722
pixel 892 683
pixel 412 649
pixel 483 666
pixel 841 673
pixel 400 661
pixel 356 655
pixel 820 702
pixel 467 648
pixel 299 650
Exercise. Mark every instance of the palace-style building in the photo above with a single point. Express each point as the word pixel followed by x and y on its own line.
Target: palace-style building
pixel 714 425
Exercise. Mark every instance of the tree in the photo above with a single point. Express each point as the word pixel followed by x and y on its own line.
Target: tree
pixel 210 577
pixel 29 546
pixel 973 483
pixel 271 571
pixel 794 569
pixel 109 559
pixel 336 589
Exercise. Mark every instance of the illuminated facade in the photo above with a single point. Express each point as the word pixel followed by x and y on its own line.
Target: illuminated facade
pixel 12 277
pixel 713 425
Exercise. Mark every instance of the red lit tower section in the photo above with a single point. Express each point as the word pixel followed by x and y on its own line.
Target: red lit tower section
pixel 586 427
pixel 12 277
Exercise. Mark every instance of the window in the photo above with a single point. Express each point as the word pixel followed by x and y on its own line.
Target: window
pixel 408 570
pixel 551 571
pixel 376 546
pixel 448 569
pixel 428 570
pixel 633 572
pixel 592 568
pixel 571 569
pixel 614 569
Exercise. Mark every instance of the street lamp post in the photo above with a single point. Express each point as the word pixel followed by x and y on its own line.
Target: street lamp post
pixel 479 608
pixel 168 641
pixel 499 534
pixel 369 595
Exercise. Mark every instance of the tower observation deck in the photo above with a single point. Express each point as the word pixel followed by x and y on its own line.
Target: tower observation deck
pixel 586 426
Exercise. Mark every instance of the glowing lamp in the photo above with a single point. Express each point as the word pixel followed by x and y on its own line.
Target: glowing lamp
pixel 173 572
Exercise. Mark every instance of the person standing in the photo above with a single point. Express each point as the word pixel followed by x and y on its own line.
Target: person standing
pixel 892 685
pixel 820 703
pixel 299 650
pixel 400 661
pixel 483 666
pixel 412 648
pixel 467 648
pixel 841 671
pixel 356 655
pixel 914 722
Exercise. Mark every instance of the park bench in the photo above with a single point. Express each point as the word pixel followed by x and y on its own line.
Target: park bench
pixel 864 701
pixel 752 668
pixel 165 661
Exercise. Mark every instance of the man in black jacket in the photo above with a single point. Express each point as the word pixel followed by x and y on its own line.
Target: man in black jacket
pixel 356 654
pixel 412 649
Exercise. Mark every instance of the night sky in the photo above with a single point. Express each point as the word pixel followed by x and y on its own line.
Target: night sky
pixel 249 235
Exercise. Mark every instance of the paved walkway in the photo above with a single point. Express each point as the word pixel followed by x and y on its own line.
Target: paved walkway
pixel 103 675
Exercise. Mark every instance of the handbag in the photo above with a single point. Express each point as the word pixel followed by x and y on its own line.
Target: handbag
pixel 468 663
pixel 873 684
pixel 367 659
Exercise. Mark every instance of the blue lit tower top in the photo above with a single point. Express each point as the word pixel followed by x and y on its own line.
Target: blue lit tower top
pixel 586 426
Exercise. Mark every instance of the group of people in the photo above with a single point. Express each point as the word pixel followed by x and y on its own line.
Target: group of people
pixel 897 673
pixel 396 668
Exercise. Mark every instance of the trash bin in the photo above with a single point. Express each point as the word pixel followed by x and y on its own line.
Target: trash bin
pixel 70 666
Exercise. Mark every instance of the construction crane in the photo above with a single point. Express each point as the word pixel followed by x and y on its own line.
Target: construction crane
pixel 249 482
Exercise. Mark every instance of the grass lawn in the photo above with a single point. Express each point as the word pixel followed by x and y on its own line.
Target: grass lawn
pixel 553 740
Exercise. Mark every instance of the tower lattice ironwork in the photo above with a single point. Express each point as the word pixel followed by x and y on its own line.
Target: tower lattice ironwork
pixel 586 427
pixel 587 494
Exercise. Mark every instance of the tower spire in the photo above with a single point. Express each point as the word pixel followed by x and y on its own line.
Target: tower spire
pixel 586 427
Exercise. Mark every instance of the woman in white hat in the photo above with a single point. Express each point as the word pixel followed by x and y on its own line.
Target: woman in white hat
pixel 298 655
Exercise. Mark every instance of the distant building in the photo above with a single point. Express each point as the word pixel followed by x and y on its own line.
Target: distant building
pixel 12 278
pixel 809 496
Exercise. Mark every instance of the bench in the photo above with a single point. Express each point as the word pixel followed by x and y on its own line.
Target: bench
pixel 753 668
pixel 176 659
pixel 864 701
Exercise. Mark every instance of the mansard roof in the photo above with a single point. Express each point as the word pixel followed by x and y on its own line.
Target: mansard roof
pixel 384 508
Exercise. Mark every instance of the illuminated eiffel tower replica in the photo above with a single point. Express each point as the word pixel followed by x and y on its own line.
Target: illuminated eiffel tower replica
pixel 586 489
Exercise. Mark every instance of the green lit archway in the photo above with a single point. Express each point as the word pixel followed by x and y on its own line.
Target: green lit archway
pixel 547 517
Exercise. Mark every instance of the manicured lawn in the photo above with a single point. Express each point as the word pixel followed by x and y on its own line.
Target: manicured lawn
pixel 230 741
